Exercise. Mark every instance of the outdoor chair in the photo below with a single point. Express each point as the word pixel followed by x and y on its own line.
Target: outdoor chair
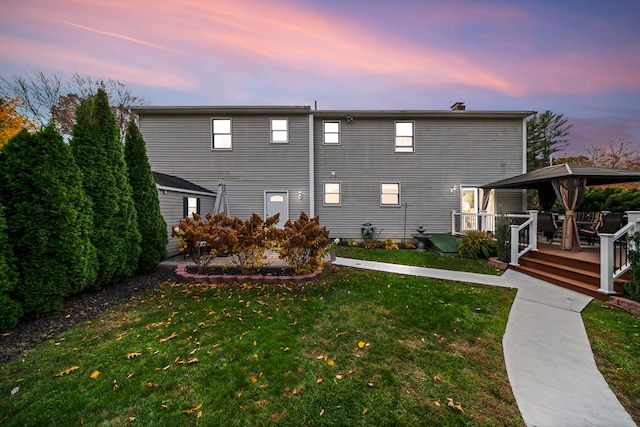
pixel 607 223
pixel 547 225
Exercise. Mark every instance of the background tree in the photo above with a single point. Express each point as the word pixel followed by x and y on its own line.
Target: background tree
pixel 546 136
pixel 11 122
pixel 45 98
pixel 49 223
pixel 10 308
pixel 619 154
pixel 151 224
pixel 99 154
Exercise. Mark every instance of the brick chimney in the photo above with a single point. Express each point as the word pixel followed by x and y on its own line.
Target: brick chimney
pixel 458 106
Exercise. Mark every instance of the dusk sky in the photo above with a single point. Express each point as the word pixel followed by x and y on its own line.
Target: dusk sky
pixel 580 58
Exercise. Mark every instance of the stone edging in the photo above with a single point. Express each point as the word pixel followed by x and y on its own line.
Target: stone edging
pixel 182 274
pixel 625 304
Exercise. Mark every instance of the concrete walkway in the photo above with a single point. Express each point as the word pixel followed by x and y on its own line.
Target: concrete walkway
pixel 548 357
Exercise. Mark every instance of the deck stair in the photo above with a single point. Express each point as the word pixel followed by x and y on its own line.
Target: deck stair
pixel 565 269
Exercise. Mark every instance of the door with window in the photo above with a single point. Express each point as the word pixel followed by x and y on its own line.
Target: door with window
pixel 471 199
pixel 277 202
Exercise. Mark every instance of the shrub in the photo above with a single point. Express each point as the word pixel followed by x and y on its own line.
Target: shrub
pixel 151 224
pixel 204 240
pixel 49 224
pixel 503 237
pixel 633 286
pixel 612 199
pixel 97 149
pixel 303 243
pixel 249 240
pixel 389 244
pixel 476 244
pixel 10 308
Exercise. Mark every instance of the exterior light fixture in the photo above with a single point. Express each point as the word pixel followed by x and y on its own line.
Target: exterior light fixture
pixel 454 189
pixel 299 195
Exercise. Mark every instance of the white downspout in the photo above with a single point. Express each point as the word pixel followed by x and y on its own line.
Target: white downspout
pixel 312 197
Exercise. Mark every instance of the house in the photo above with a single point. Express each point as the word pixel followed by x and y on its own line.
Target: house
pixel 396 169
pixel 178 199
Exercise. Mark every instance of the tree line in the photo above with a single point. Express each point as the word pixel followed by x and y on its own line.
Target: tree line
pixel 76 215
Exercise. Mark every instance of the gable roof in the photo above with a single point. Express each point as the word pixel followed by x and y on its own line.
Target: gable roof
pixel 174 183
pixel 541 177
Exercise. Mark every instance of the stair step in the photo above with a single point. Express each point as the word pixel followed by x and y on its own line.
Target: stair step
pixel 565 282
pixel 565 269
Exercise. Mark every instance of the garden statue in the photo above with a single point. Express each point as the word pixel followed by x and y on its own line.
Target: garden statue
pixel 367 229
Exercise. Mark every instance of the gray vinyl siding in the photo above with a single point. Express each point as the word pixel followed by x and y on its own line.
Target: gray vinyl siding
pixel 448 152
pixel 171 207
pixel 180 145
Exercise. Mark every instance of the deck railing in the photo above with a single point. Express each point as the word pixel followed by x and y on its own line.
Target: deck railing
pixel 523 229
pixel 614 253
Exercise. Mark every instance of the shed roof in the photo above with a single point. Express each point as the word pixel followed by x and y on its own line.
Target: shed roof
pixel 170 182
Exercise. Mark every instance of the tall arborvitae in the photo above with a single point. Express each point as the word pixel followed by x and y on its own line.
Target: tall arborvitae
pixel 10 308
pixel 151 224
pixel 50 223
pixel 99 154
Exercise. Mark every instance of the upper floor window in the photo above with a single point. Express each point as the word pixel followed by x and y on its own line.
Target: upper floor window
pixel 331 132
pixel 404 137
pixel 332 194
pixel 221 129
pixel 279 131
pixel 389 194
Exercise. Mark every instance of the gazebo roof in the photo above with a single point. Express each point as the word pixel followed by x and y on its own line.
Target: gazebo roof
pixel 542 177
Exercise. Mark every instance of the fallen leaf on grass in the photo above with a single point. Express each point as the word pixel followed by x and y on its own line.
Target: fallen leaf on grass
pixel 170 337
pixel 365 411
pixel 319 380
pixel 361 344
pixel 133 355
pixel 94 375
pixel 67 371
pixel 437 378
pixel 15 390
pixel 192 410
pixel 456 406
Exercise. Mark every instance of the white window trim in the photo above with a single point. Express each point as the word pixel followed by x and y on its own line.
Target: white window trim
pixel 389 205
pixel 324 132
pixel 402 148
pixel 324 193
pixel 286 119
pixel 214 134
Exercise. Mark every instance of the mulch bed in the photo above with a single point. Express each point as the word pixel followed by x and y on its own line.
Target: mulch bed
pixel 262 271
pixel 86 306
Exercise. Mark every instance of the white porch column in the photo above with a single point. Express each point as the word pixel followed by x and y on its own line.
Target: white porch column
pixel 606 264
pixel 514 245
pixel 453 222
pixel 533 236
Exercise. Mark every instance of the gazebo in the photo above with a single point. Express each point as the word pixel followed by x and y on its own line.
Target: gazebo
pixel 564 182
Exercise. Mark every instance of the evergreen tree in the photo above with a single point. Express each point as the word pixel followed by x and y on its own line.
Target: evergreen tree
pixel 151 224
pixel 49 224
pixel 10 308
pixel 546 135
pixel 99 154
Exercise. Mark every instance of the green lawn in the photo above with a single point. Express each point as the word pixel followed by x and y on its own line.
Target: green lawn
pixel 355 347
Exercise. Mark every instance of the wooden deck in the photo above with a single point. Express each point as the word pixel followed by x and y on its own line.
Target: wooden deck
pixel 578 270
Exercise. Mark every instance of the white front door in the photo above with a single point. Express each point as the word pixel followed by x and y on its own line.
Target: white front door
pixel 277 202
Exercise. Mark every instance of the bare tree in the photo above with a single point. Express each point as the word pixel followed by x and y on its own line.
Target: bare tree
pixel 45 98
pixel 618 154
pixel 39 95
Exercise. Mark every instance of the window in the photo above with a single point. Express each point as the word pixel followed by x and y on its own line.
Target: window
pixel 279 131
pixel 332 194
pixel 389 194
pixel 221 129
pixel 190 205
pixel 332 132
pixel 404 137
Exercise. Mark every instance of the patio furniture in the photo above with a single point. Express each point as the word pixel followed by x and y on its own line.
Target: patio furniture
pixel 547 225
pixel 608 223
